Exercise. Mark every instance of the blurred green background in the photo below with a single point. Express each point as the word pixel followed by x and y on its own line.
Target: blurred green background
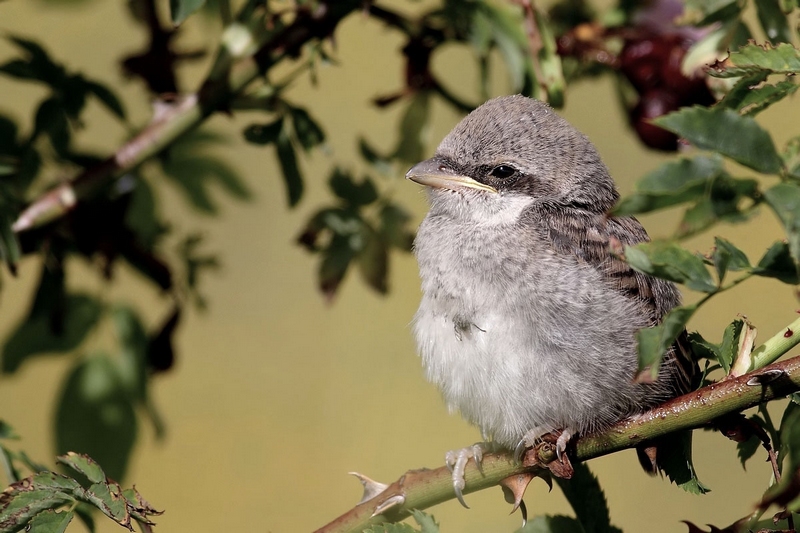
pixel 276 395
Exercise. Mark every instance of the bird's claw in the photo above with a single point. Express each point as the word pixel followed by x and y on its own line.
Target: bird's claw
pixel 456 462
pixel 562 441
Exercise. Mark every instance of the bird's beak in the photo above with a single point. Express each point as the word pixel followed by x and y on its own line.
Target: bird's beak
pixel 434 174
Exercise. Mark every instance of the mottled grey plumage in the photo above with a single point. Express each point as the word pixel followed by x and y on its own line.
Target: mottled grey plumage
pixel 527 322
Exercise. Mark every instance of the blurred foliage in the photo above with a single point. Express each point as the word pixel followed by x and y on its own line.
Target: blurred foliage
pixel 676 82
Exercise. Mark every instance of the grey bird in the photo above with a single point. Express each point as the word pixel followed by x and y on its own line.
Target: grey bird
pixel 527 321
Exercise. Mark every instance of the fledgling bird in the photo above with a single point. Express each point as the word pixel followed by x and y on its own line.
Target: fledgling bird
pixel 527 321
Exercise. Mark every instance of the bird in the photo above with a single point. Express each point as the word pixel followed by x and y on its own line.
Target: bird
pixel 528 317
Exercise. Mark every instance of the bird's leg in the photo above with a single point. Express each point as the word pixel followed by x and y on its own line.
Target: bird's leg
pixel 563 440
pixel 456 461
pixel 534 436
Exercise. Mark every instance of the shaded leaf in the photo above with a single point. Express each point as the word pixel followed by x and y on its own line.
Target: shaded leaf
pixel 371 156
pixel 669 261
pixel 133 351
pixel 653 342
pixel 390 528
pixel 51 120
pixel 701 348
pixel 425 521
pixel 308 132
pixel 727 257
pixel 263 133
pixel 773 21
pixel 95 415
pixel 702 12
pixel 335 260
pixel 107 98
pixel 677 464
pixel 195 173
pixel 725 131
pixel 181 9
pixel 784 199
pixel 552 524
pixel 760 98
pixel 6 431
pixel 394 226
pixel 291 171
pixel 751 58
pixel 84 465
pixel 673 183
pixel 742 89
pixel 723 202
pixel 552 76
pixel 778 263
pixel 160 348
pixel 587 499
pixel 355 194
pixel 373 261
pixel 50 522
pixel 142 216
pixel 9 243
pixel 413 129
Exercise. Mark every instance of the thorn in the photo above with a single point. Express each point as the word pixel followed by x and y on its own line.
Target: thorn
pixel 397 499
pixel 766 377
pixel 371 487
pixel 514 488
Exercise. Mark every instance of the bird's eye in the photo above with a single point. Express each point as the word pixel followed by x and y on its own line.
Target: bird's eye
pixel 503 171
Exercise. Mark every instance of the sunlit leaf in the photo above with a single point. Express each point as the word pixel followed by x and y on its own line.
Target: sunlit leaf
pixel 727 132
pixel 669 261
pixel 727 257
pixel 85 465
pixel 781 59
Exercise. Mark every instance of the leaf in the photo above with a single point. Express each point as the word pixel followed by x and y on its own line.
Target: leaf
pixel 781 59
pixel 142 215
pixel 773 21
pixel 701 348
pixel 133 343
pixel 10 251
pixel 373 261
pixel 414 129
pixel 335 260
pixel 194 174
pixel 552 524
pixel 95 415
pixel 552 76
pixel 354 194
pixel 703 12
pixel 653 342
pixel 784 199
pixel 723 202
pixel 669 261
pixel 181 9
pixel 25 499
pixel 35 335
pixel 308 131
pixel 748 448
pixel 729 347
pixel 778 263
pixel 393 227
pixel 380 162
pixel 742 89
pixel 725 131
pixel 425 521
pixel 263 133
pixel 760 98
pixel 390 528
pixel 289 168
pixel 84 465
pixel 672 183
pixel 7 432
pixel 107 98
pixel 677 463
pixel 727 257
pixel 584 494
pixel 51 120
pixel 50 522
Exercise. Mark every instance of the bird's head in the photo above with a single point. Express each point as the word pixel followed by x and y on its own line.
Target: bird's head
pixel 513 151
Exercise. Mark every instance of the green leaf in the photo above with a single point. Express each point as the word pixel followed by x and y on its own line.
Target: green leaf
pixel 778 263
pixel 425 521
pixel 669 261
pixel 354 194
pixel 373 261
pixel 35 335
pixel 390 528
pixel 289 168
pixel 725 131
pixel 51 120
pixel 653 342
pixel 50 522
pixel 84 465
pixel 6 431
pixel 263 133
pixel 784 199
pixel 552 76
pixel 552 524
pixel 181 9
pixel 584 494
pixel 742 89
pixel 729 347
pixel 677 463
pixel 773 21
pixel 752 58
pixel 25 499
pixel 10 251
pixel 107 98
pixel 701 348
pixel 723 202
pixel 672 183
pixel 133 342
pixel 381 162
pixel 727 257
pixel 703 12
pixel 414 129
pixel 335 260
pixel 393 227
pixel 308 131
pixel 95 415
pixel 748 448
pixel 760 98
pixel 142 214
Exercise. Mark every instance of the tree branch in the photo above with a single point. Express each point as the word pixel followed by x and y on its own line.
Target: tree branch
pixel 231 74
pixel 420 489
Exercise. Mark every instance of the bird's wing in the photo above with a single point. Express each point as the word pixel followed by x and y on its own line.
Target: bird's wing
pixel 593 238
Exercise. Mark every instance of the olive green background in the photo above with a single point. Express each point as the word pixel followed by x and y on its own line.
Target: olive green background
pixel 276 395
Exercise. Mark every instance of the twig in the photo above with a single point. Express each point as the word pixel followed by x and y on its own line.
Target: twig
pixel 420 489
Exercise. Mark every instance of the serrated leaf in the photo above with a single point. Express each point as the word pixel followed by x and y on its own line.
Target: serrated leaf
pixel 669 261
pixel 50 522
pixel 587 499
pixel 751 58
pixel 181 9
pixel 425 521
pixel 760 98
pixel 729 347
pixel 701 348
pixel 742 89
pixel 784 199
pixel 677 462
pixel 653 342
pixel 672 183
pixel 26 498
pixel 95 415
pixel 390 528
pixel 354 194
pixel 725 131
pixel 85 465
pixel 727 257
pixel 778 263
pixel 309 133
pixel 773 21
pixel 552 524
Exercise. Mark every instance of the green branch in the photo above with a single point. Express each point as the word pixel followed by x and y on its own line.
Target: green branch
pixel 420 489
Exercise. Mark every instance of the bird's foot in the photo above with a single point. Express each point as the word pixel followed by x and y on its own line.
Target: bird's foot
pixel 456 461
pixel 535 436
